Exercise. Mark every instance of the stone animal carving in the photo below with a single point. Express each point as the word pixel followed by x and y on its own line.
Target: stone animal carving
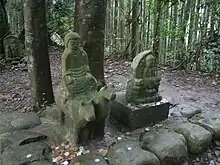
pixel 83 109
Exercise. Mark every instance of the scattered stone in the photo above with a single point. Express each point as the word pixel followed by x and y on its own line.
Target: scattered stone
pixel 210 121
pixel 130 153
pixel 19 138
pixel 40 163
pixel 18 121
pixel 198 138
pixel 17 155
pixel 184 110
pixel 169 146
pixel 89 159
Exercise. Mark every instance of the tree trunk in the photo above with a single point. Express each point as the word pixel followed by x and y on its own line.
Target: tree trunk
pixel 157 29
pixel 4 28
pixel 36 47
pixel 135 28
pixel 93 34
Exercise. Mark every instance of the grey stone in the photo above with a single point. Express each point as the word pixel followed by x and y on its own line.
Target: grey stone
pixel 25 154
pixel 18 121
pixel 19 138
pixel 198 138
pixel 184 110
pixel 89 159
pixel 210 121
pixel 189 110
pixel 130 153
pixel 135 117
pixel 169 146
pixel 41 163
pixel 50 113
pixel 53 130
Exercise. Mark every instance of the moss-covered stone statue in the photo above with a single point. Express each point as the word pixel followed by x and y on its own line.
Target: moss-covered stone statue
pixel 82 108
pixel 144 81
pixel 14 49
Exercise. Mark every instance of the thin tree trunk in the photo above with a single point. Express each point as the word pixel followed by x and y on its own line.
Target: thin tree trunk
pixel 156 42
pixel 135 28
pixel 93 35
pixel 36 46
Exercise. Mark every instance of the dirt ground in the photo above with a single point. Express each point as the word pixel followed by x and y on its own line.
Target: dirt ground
pixel 194 88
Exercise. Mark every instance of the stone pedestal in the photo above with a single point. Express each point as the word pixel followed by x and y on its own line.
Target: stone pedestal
pixel 137 116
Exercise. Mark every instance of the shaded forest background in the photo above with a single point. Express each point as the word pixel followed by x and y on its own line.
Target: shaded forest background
pixel 184 34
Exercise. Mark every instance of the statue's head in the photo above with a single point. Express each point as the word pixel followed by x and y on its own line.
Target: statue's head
pixel 72 41
pixel 150 60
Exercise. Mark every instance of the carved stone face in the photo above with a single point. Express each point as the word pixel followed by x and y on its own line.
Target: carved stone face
pixel 74 44
pixel 150 61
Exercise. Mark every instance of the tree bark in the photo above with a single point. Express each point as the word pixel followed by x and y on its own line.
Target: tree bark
pixel 4 28
pixel 36 48
pixel 135 28
pixel 92 31
pixel 156 42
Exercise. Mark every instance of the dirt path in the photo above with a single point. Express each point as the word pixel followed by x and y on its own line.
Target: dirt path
pixel 201 90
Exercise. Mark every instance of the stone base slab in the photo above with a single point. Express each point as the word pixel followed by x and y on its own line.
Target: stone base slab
pixel 137 117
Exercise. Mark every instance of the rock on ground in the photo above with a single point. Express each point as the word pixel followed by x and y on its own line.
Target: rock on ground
pixel 210 121
pixel 26 154
pixel 198 138
pixel 18 121
pixel 19 138
pixel 130 153
pixel 89 159
pixel 169 146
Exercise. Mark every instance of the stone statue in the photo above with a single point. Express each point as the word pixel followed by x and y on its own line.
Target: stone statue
pixel 83 109
pixel 14 49
pixel 143 83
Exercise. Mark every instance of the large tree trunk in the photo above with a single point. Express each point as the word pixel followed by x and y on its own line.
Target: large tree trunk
pixel 92 30
pixel 36 47
pixel 4 28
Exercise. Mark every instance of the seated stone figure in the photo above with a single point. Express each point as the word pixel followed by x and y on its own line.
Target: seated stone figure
pixel 83 109
pixel 143 83
pixel 14 48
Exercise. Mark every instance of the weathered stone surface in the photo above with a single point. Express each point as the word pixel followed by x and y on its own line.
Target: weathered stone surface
pixel 89 159
pixel 169 146
pixel 18 121
pixel 184 110
pixel 51 129
pixel 130 153
pixel 41 163
pixel 19 138
pixel 210 121
pixel 137 116
pixel 14 49
pixel 50 113
pixel 25 154
pixel 198 138
pixel 82 109
pixel 143 83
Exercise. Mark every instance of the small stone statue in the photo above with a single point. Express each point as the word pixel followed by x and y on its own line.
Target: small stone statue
pixel 14 49
pixel 83 109
pixel 143 83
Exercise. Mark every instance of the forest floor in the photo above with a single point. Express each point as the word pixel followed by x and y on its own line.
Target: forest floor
pixel 179 87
